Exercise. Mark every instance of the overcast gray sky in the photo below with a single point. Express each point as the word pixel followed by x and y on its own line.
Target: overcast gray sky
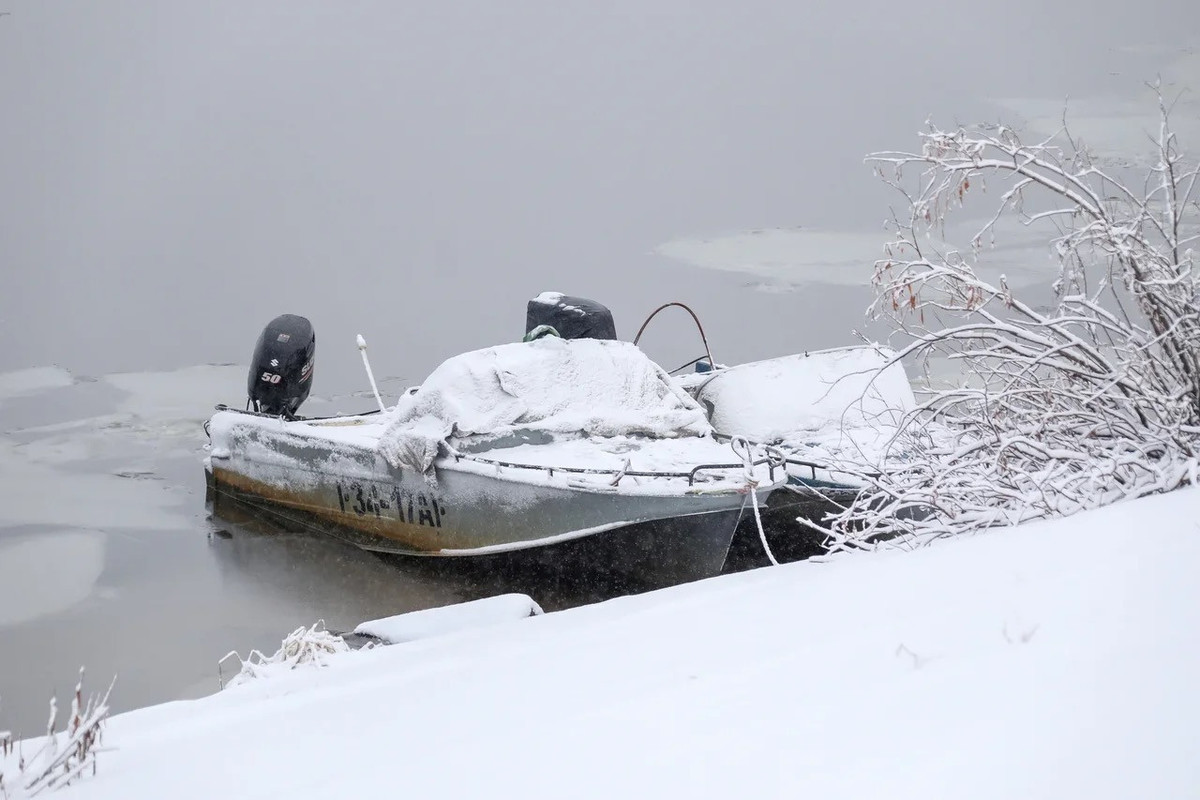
pixel 176 174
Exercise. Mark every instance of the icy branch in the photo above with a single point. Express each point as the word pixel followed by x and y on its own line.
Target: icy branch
pixel 1054 409
pixel 60 758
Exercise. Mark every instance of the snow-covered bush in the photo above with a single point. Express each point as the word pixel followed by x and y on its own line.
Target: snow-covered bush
pixel 1085 396
pixel 302 647
pixel 60 758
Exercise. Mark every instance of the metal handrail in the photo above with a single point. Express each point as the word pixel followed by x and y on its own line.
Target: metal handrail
pixel 620 472
pixel 799 462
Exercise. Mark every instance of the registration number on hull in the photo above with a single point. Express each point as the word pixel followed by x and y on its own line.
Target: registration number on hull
pixel 391 502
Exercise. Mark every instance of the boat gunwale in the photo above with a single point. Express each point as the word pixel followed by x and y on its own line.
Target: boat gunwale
pixel 618 474
pixel 774 459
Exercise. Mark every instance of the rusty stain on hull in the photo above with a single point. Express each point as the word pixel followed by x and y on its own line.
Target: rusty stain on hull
pixel 392 535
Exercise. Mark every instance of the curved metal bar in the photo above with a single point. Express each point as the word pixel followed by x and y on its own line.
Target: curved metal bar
pixel 798 462
pixel 699 327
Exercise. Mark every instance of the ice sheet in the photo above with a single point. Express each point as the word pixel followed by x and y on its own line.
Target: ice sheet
pixel 33 380
pixel 36 494
pixel 795 256
pixel 48 573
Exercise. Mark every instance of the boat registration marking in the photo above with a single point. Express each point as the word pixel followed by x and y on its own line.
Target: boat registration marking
pixel 391 502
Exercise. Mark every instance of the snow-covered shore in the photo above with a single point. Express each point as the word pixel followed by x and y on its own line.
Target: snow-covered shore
pixel 1059 659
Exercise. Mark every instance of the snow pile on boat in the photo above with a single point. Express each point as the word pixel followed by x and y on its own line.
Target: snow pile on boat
pixel 589 386
pixel 836 400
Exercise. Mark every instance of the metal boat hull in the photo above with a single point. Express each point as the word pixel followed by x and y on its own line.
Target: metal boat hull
pixel 352 492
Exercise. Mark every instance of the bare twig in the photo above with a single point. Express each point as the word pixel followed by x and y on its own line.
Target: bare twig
pixel 1056 408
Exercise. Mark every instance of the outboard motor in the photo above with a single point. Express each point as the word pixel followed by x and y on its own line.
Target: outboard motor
pixel 570 317
pixel 282 367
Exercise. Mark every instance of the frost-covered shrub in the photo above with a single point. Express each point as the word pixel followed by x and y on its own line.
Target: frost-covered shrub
pixel 1079 399
pixel 60 758
pixel 302 647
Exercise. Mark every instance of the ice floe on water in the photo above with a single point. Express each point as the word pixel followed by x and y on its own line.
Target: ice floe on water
pixel 1121 128
pixel 164 399
pixel 78 468
pixel 789 255
pixel 147 406
pixel 41 494
pixel 793 257
pixel 47 573
pixel 33 380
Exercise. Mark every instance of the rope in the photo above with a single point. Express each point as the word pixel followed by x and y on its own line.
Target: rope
pixel 744 450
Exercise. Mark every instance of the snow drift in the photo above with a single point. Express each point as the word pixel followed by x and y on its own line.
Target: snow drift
pixel 1052 660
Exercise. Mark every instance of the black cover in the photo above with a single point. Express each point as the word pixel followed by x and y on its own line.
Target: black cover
pixel 282 367
pixel 572 317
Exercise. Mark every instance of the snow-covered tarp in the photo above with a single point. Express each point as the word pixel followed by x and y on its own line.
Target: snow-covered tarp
pixel 852 395
pixel 588 386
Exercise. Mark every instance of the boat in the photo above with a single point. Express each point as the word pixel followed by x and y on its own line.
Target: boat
pixel 573 446
pixel 831 414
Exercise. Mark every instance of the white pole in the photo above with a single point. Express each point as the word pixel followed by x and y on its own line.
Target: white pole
pixel 362 348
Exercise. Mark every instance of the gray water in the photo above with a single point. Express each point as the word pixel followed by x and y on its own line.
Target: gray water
pixel 174 175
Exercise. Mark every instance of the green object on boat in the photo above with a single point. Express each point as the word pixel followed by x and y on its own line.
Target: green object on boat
pixel 539 332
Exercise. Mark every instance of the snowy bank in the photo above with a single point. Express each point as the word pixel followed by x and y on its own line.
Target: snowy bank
pixel 449 619
pixel 1054 660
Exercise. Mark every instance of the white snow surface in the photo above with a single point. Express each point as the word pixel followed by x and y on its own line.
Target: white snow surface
pixel 1053 660
pixel 450 619
pixel 843 403
pixel 601 388
pixel 549 298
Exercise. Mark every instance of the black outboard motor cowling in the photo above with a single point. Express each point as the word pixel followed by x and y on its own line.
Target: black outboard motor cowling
pixel 282 367
pixel 571 317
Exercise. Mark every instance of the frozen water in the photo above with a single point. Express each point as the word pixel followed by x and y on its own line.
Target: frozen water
pixel 33 380
pixel 48 573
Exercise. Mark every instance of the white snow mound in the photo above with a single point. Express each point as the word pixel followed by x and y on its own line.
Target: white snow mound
pixel 451 619
pixel 588 386
pixel 783 398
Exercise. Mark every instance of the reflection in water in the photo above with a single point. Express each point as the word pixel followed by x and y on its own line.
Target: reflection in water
pixel 250 539
pixel 302 558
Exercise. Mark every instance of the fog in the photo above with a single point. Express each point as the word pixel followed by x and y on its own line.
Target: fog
pixel 176 174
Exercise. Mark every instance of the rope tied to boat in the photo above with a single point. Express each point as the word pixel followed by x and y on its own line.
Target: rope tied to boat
pixel 744 449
